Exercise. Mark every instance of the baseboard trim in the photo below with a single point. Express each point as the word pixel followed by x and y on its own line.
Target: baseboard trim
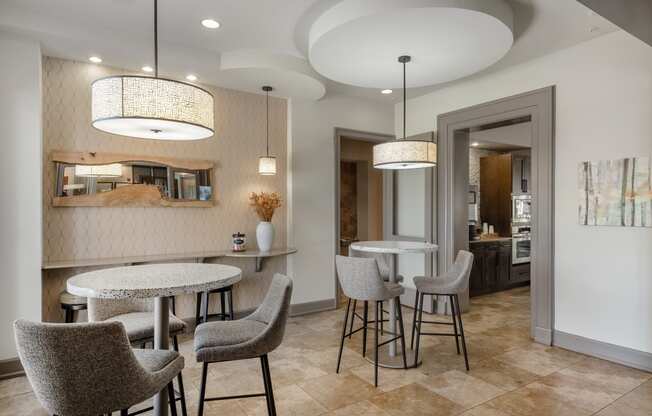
pixel 543 335
pixel 11 368
pixel 610 352
pixel 299 309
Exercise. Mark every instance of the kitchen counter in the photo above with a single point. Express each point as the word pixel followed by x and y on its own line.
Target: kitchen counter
pixel 491 240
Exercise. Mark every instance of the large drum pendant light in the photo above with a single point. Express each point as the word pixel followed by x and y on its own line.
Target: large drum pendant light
pixel 405 154
pixel 152 107
pixel 267 163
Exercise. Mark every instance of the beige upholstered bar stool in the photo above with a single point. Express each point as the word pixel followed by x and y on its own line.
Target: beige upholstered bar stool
pixel 451 284
pixel 90 368
pixel 70 304
pixel 361 280
pixel 137 316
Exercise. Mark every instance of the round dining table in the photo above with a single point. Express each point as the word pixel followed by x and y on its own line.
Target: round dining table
pixel 392 358
pixel 158 281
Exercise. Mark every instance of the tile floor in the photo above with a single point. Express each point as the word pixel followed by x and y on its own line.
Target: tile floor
pixel 510 375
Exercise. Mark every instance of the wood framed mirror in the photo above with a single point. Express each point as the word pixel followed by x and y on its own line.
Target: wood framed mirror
pixel 95 179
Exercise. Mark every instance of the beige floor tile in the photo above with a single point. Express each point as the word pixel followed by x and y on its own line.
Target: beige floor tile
pixel 290 401
pixel 609 376
pixel 502 375
pixel 334 391
pixel 364 408
pixel 23 404
pixel 326 359
pixel 389 379
pixel 582 394
pixel 539 359
pixel 484 410
pixel 461 388
pixel 14 386
pixel 640 398
pixel 288 371
pixel 534 402
pixel 415 400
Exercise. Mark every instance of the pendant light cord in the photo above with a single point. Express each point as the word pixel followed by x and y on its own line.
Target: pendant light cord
pixel 267 126
pixel 155 38
pixel 404 100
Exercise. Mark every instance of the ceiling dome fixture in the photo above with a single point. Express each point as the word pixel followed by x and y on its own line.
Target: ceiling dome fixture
pixel 405 154
pixel 151 107
pixel 267 163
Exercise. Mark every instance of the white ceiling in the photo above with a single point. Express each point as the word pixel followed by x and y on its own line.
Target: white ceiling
pixel 120 31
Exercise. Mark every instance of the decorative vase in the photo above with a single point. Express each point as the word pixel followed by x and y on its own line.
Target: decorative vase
pixel 265 235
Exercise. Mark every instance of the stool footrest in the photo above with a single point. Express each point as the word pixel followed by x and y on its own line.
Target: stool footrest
pixel 240 396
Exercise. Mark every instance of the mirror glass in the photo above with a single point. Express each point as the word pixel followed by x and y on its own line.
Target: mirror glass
pixel 172 183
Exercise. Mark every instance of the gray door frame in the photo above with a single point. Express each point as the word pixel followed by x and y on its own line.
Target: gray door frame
pixel 452 209
pixel 359 135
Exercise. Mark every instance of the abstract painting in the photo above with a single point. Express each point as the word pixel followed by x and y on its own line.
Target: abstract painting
pixel 616 192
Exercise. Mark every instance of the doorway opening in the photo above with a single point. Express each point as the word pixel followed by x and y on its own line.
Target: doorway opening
pixel 495 198
pixel 359 191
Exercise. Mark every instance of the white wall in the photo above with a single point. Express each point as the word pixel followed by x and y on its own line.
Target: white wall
pixel 603 276
pixel 312 206
pixel 20 168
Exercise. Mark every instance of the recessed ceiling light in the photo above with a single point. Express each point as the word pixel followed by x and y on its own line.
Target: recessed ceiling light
pixel 210 23
pixel 147 68
pixel 475 144
pixel 95 59
pixel 191 77
pixel 386 91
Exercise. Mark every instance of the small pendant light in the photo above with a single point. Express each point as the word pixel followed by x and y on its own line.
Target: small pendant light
pixel 405 154
pixel 267 163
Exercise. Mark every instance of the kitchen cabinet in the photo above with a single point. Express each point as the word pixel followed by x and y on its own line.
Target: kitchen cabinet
pixel 496 192
pixel 492 267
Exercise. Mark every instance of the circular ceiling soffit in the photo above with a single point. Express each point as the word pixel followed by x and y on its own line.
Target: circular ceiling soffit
pixel 291 76
pixel 357 42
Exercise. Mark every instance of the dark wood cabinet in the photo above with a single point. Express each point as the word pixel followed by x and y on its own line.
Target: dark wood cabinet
pixel 496 192
pixel 492 268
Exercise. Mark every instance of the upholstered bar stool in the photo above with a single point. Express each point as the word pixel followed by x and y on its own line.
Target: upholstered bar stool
pixel 90 368
pixel 204 297
pixel 383 268
pixel 451 284
pixel 252 337
pixel 361 280
pixel 70 304
pixel 137 316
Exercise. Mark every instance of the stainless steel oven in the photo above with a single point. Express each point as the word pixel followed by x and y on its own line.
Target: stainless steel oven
pixel 521 240
pixel 521 209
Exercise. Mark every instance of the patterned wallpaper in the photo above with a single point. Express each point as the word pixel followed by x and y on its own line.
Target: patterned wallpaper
pixel 89 233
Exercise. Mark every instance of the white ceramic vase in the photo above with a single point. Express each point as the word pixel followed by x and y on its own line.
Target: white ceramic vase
pixel 265 235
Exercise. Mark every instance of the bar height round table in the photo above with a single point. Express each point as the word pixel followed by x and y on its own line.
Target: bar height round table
pixel 159 281
pixel 393 358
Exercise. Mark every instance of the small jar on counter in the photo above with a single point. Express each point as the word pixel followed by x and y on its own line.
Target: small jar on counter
pixel 239 242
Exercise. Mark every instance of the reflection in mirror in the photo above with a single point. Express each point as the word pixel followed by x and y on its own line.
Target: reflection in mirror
pixel 75 180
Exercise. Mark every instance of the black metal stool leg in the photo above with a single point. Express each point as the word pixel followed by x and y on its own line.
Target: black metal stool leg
pixel 355 305
pixel 171 401
pixel 414 318
pixel 399 313
pixel 365 316
pixel 182 391
pixel 223 306
pixel 269 389
pixel 198 309
pixel 202 390
pixel 418 334
pixel 231 312
pixel 382 319
pixel 206 299
pixel 70 316
pixel 454 316
pixel 459 317
pixel 379 316
pixel 346 321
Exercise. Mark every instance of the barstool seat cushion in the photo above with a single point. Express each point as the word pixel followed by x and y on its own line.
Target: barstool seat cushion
pixel 229 340
pixel 155 360
pixel 140 325
pixel 438 286
pixel 66 298
pixel 395 289
pixel 399 278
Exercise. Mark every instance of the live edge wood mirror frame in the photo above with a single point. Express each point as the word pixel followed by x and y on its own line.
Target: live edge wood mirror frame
pixel 117 180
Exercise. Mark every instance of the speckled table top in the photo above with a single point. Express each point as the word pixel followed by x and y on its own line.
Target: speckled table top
pixel 153 280
pixel 395 247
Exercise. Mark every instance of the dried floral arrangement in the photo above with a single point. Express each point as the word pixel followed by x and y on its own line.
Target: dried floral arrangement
pixel 264 204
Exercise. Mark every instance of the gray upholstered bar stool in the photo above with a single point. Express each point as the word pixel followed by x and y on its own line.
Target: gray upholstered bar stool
pixel 252 337
pixel 90 368
pixel 70 304
pixel 383 268
pixel 451 284
pixel 137 316
pixel 360 279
